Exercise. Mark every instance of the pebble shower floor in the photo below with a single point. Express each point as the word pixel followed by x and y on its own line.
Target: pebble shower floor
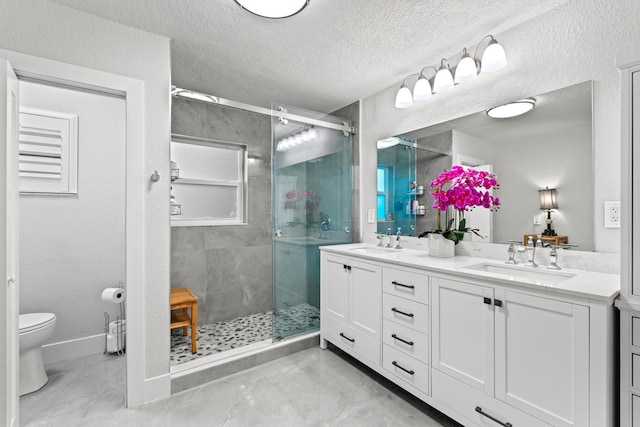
pixel 221 336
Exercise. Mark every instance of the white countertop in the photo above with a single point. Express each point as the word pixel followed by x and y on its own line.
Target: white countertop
pixel 586 284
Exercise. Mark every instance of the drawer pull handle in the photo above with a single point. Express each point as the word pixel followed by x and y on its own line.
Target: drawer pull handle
pixel 346 267
pixel 394 363
pixel 403 285
pixel 479 410
pixel 487 301
pixel 347 338
pixel 497 302
pixel 394 336
pixel 395 310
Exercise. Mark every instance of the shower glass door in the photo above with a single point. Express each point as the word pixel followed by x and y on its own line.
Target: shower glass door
pixel 312 207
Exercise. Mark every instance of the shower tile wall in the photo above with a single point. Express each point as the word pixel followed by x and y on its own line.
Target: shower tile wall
pixel 428 166
pixel 227 267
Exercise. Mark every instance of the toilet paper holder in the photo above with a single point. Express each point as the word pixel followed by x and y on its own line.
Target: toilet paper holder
pixel 115 331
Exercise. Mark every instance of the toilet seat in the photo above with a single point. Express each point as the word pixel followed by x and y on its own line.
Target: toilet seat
pixel 33 321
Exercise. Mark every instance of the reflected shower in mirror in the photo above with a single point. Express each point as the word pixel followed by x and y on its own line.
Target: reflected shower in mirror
pixel 550 146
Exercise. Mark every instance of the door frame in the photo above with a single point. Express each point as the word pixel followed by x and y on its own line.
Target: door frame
pixel 136 183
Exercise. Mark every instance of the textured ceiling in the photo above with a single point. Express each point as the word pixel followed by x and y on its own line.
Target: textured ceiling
pixel 331 54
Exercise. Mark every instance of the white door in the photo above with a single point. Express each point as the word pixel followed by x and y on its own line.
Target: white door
pixel 365 293
pixel 9 91
pixel 542 357
pixel 335 287
pixel 463 332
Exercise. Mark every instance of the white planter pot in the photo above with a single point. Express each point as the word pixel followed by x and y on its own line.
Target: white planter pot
pixel 440 247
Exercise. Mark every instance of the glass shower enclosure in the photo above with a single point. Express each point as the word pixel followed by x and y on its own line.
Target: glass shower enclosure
pixel 311 207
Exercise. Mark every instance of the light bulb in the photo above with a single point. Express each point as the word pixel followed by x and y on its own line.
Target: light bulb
pixel 280 146
pixel 297 139
pixel 403 97
pixel 466 70
pixel 493 58
pixel 443 80
pixel 422 89
pixel 313 133
pixel 305 135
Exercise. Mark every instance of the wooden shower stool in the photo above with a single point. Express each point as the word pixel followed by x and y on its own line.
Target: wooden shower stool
pixel 181 300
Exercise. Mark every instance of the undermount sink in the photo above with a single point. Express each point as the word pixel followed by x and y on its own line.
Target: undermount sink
pixel 523 273
pixel 374 250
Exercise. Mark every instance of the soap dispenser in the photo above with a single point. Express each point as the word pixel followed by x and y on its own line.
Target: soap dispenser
pixel 175 208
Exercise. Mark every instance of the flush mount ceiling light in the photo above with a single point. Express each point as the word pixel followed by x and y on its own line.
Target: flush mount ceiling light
pixel 467 69
pixel 512 109
pixel 274 9
pixel 190 94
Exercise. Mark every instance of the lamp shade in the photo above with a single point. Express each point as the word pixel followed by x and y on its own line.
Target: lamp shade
pixel 548 198
pixel 422 89
pixel 404 98
pixel 443 80
pixel 493 58
pixel 466 70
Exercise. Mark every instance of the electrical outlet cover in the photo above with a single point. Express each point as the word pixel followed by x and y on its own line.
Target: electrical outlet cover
pixel 612 214
pixel 371 216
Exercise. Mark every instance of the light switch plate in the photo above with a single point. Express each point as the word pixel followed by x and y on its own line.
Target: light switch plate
pixel 371 216
pixel 612 214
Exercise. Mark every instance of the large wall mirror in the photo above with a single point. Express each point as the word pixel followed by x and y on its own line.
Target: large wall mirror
pixel 548 147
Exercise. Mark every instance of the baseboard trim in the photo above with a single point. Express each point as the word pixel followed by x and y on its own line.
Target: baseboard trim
pixel 70 349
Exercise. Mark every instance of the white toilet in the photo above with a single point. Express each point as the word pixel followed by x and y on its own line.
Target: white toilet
pixel 35 330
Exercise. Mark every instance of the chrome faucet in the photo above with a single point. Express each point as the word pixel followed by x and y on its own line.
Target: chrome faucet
pixel 512 253
pixel 397 244
pixel 553 257
pixel 325 225
pixel 531 253
pixel 389 245
pixel 381 239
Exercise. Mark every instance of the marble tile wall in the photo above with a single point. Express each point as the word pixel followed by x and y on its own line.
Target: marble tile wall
pixel 227 267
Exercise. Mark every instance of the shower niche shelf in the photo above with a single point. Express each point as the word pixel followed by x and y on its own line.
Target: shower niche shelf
pixel 208 180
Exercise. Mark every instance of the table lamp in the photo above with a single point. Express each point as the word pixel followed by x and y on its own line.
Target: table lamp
pixel 548 201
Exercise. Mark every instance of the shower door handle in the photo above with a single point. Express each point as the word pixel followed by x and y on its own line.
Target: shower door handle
pixel 11 280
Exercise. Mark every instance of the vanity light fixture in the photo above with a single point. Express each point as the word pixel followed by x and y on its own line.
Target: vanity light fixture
pixel 273 9
pixel 191 94
pixel 443 81
pixel 467 69
pixel 512 109
pixel 548 201
pixel 297 138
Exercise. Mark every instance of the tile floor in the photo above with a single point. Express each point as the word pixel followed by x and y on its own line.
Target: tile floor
pixel 242 331
pixel 308 388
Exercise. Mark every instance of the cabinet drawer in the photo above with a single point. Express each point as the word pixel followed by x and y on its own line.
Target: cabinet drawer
pixel 406 368
pixel 465 399
pixel 635 331
pixel 416 345
pixel 406 312
pixel 351 341
pixel 635 370
pixel 406 284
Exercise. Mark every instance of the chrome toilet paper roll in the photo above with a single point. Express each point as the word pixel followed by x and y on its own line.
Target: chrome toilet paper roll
pixel 115 295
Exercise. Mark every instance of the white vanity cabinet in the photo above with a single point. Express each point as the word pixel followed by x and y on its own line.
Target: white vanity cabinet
pixel 529 353
pixel 629 303
pixel 405 326
pixel 483 348
pixel 351 292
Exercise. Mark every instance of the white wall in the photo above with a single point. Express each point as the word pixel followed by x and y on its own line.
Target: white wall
pixel 45 29
pixel 73 246
pixel 576 42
